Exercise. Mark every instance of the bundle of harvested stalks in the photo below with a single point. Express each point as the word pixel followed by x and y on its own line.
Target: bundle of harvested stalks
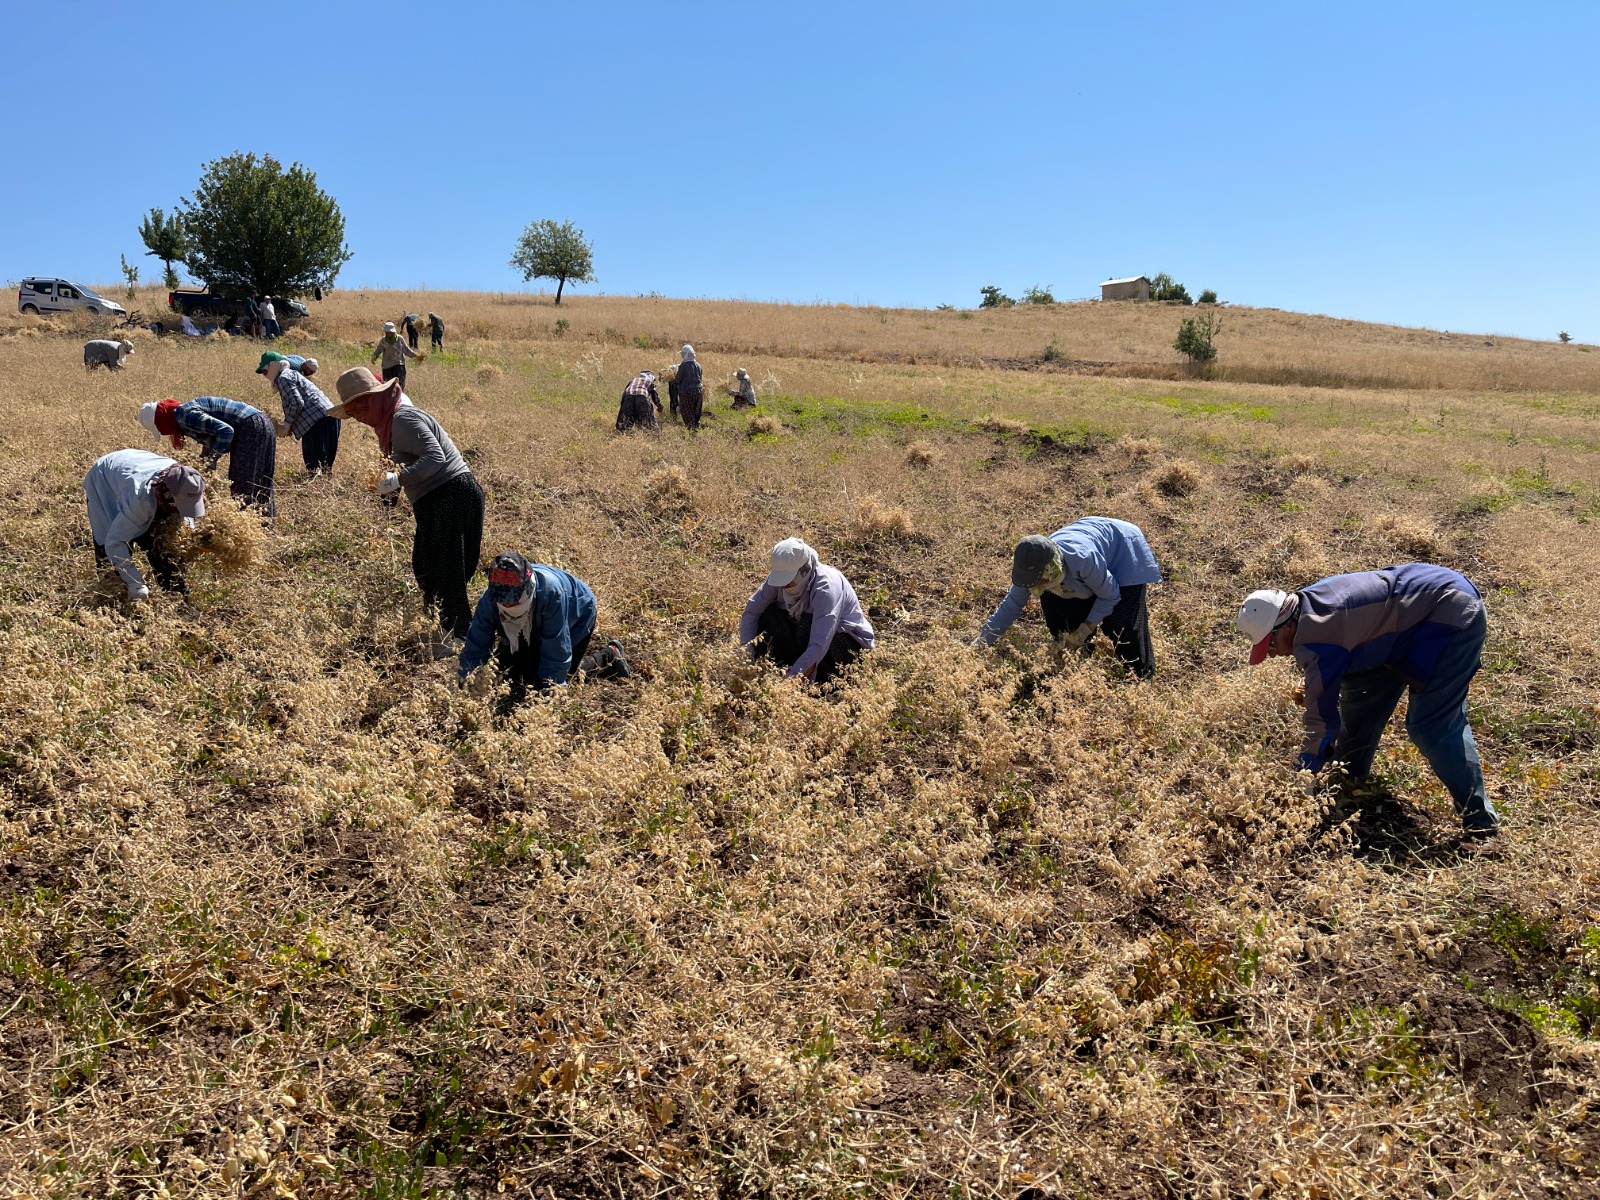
pixel 230 536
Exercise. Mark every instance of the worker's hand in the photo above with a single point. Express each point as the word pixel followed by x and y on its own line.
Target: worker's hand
pixel 282 428
pixel 138 592
pixel 389 484
pixel 1079 637
pixel 977 643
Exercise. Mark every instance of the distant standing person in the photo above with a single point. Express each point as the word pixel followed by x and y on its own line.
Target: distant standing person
pixel 743 391
pixel 671 375
pixel 252 316
pixel 269 318
pixel 222 426
pixel 435 331
pixel 394 352
pixel 640 404
pixel 1093 572
pixel 305 410
pixel 806 616
pixel 1364 640
pixel 108 354
pixel 691 397
pixel 445 497
pixel 129 493
pixel 410 326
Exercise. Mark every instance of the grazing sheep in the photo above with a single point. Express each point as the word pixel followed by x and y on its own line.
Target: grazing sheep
pixel 104 353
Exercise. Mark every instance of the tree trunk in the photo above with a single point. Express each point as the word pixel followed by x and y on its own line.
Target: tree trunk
pixel 561 282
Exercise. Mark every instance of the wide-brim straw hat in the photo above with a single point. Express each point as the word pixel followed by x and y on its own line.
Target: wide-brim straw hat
pixel 355 383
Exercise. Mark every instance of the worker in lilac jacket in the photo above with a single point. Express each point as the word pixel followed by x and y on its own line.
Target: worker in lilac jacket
pixel 1089 575
pixel 1364 639
pixel 806 616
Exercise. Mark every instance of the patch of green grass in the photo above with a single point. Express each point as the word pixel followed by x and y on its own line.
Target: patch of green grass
pixel 839 414
pixel 1187 407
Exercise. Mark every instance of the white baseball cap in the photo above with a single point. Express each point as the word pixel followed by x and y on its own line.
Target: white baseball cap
pixel 788 557
pixel 1258 617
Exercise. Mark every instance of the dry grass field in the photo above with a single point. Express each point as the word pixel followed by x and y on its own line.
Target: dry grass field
pixel 285 913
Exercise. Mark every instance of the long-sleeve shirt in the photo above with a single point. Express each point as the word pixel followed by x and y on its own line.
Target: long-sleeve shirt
pixel 563 615
pixel 689 376
pixel 120 489
pixel 393 351
pixel 211 421
pixel 1100 556
pixel 833 606
pixel 745 391
pixel 303 402
pixel 101 352
pixel 426 456
pixel 1399 617
pixel 436 327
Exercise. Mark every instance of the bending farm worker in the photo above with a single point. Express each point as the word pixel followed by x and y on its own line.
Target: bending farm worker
pixel 391 348
pixel 305 410
pixel 640 404
pixel 104 353
pixel 435 332
pixel 129 493
pixel 222 426
pixel 743 391
pixel 537 622
pixel 1090 575
pixel 1365 638
pixel 691 394
pixel 445 497
pixel 806 616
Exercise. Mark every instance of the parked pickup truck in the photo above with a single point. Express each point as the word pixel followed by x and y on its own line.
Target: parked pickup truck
pixel 202 302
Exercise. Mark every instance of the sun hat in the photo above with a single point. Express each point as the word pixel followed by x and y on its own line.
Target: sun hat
pixel 358 382
pixel 742 373
pixel 187 487
pixel 788 557
pixel 1031 559
pixel 388 327
pixel 1260 614
pixel 269 356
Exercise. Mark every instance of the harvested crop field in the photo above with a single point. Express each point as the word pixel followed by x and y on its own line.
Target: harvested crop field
pixel 285 912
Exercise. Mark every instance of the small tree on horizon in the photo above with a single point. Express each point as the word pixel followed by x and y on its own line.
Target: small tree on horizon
pixel 554 250
pixel 1165 287
pixel 993 297
pixel 254 227
pixel 164 238
pixel 1197 338
pixel 1564 336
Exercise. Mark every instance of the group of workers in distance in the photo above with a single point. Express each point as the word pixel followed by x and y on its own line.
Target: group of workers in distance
pixel 640 407
pixel 1363 639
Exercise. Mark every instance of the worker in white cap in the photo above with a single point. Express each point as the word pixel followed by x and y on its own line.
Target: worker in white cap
pixel 392 349
pixel 130 492
pixel 806 616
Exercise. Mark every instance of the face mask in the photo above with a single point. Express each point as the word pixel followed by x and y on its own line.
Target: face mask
pixel 1053 574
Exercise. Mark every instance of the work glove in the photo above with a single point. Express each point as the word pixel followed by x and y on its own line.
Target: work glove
pixel 1079 637
pixel 138 592
pixel 282 428
pixel 389 484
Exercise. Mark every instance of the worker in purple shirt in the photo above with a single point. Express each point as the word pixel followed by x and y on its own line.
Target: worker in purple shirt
pixel 806 616
pixel 1090 575
pixel 1365 638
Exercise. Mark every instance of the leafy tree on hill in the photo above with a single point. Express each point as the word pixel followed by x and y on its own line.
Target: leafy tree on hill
pixel 993 297
pixel 1208 296
pixel 255 227
pixel 1165 287
pixel 164 238
pixel 1038 295
pixel 1197 338
pixel 554 250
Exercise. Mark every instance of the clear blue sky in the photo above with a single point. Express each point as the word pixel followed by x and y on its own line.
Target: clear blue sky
pixel 1429 164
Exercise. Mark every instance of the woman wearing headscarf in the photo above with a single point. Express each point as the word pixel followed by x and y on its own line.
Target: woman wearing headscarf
pixel 391 348
pixel 305 410
pixel 222 426
pixel 640 404
pixel 537 622
pixel 445 497
pixel 806 616
pixel 690 394
pixel 743 391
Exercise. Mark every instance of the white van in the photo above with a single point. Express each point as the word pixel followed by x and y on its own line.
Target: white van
pixel 57 295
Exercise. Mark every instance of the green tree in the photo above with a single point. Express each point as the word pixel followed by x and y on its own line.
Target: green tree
pixel 1564 336
pixel 1038 295
pixel 554 250
pixel 1165 287
pixel 1197 338
pixel 993 297
pixel 130 273
pixel 254 227
pixel 164 238
pixel 1208 297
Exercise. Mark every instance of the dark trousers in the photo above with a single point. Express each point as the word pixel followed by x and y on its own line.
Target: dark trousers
pixel 320 446
pixel 411 335
pixel 1127 625
pixel 444 556
pixel 785 639
pixel 398 371
pixel 273 330
pixel 521 669
pixel 438 340
pixel 252 464
pixel 690 402
pixel 168 571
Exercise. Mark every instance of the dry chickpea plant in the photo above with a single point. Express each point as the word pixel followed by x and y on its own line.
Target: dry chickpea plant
pixel 287 913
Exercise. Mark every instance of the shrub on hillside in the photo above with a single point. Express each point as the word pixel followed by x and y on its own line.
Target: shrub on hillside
pixel 1208 296
pixel 1038 295
pixel 1197 337
pixel 993 297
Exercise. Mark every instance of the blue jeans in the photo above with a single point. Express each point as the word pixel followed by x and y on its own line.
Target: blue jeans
pixel 1436 721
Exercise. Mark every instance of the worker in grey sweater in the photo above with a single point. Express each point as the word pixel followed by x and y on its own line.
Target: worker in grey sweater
pixel 104 353
pixel 444 495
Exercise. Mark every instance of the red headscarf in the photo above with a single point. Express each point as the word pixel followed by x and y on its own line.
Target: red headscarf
pixel 167 421
pixel 377 410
